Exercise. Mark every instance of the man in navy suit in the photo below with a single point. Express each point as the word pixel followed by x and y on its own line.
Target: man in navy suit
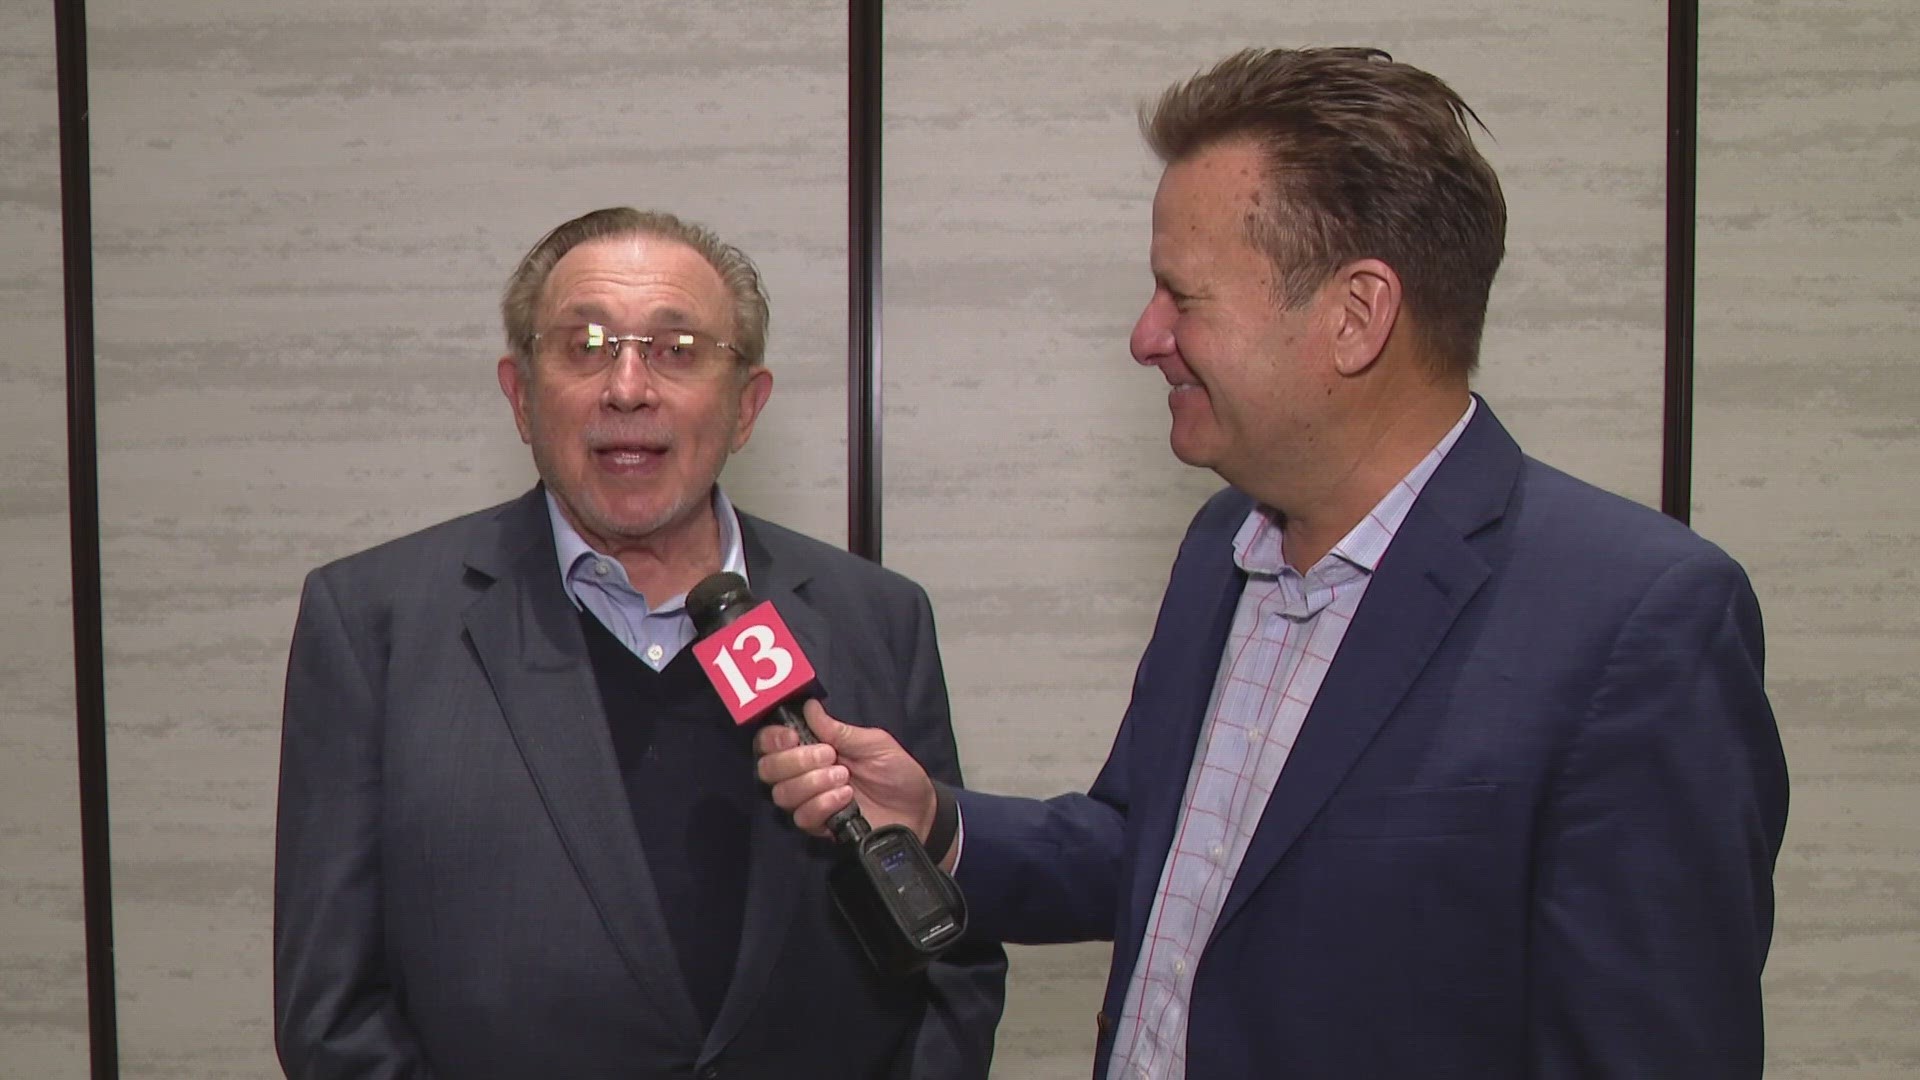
pixel 519 837
pixel 1440 762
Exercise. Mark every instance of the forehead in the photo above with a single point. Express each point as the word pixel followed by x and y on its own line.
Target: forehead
pixel 634 277
pixel 1205 199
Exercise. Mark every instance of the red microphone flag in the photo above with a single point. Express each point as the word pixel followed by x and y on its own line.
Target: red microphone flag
pixel 753 662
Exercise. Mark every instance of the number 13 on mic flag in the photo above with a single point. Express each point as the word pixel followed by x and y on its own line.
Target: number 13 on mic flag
pixel 753 662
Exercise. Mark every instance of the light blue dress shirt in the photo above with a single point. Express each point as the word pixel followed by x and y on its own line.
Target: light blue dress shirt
pixel 598 583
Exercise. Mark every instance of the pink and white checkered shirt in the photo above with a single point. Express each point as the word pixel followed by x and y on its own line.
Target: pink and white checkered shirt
pixel 1286 629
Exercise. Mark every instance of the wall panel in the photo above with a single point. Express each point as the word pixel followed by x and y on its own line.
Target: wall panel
pixel 1808 444
pixel 305 215
pixel 1028 480
pixel 43 979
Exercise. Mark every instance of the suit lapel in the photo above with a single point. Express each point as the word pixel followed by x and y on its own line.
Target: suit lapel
pixel 528 638
pixel 1427 576
pixel 777 853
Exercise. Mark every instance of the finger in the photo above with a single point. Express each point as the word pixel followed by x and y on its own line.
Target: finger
pixel 774 738
pixel 796 792
pixel 787 764
pixel 812 816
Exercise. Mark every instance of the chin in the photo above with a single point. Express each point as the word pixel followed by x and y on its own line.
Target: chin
pixel 637 526
pixel 619 522
pixel 1190 454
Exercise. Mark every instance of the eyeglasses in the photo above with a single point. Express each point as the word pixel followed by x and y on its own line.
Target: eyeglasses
pixel 670 354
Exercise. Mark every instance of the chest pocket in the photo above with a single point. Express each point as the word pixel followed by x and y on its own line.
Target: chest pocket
pixel 1430 812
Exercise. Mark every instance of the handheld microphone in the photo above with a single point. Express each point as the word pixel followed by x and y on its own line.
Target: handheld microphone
pixel 782 675
pixel 903 909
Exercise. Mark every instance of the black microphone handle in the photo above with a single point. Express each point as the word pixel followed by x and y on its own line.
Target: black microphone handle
pixel 848 825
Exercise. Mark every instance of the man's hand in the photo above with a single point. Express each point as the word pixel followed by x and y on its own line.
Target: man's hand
pixel 849 763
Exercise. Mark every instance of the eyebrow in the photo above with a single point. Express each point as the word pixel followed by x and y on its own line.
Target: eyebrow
pixel 588 312
pixel 672 318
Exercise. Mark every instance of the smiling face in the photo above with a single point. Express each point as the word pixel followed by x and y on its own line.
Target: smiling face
pixel 1250 379
pixel 628 457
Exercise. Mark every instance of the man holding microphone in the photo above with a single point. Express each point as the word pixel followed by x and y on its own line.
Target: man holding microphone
pixel 1439 762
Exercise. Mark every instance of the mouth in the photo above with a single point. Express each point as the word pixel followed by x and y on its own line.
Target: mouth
pixel 1180 381
pixel 628 457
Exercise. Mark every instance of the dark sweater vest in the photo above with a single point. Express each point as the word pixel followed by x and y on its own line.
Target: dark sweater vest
pixel 689 777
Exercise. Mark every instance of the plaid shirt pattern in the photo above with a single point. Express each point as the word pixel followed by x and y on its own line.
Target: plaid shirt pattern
pixel 1286 629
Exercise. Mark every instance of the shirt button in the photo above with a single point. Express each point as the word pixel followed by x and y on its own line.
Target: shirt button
pixel 1218 851
pixel 1179 967
pixel 1140 1070
pixel 655 652
pixel 601 569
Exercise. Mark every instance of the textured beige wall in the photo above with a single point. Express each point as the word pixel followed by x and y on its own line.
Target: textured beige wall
pixel 1808 428
pixel 1028 480
pixel 305 213
pixel 43 980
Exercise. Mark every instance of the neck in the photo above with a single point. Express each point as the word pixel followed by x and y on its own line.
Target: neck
pixel 661 572
pixel 1323 494
pixel 669 560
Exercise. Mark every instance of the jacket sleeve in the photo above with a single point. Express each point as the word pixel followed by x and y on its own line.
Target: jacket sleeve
pixel 1653 905
pixel 968 984
pixel 1041 872
pixel 335 1008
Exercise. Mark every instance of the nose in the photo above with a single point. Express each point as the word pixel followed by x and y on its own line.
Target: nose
pixel 1152 336
pixel 629 380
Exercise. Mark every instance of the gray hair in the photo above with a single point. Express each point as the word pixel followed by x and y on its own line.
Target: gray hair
pixel 520 303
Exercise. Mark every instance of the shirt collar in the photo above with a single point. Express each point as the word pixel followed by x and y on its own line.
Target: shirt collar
pixel 575 555
pixel 1257 546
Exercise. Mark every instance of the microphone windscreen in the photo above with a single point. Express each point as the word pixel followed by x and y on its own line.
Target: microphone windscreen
pixel 709 601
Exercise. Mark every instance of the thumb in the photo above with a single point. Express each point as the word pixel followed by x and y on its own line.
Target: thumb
pixel 847 740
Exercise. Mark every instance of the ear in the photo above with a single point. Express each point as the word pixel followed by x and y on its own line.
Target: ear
pixel 753 391
pixel 1368 297
pixel 509 374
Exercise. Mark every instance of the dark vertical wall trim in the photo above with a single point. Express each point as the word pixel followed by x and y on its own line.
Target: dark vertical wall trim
pixel 83 509
pixel 863 278
pixel 1683 131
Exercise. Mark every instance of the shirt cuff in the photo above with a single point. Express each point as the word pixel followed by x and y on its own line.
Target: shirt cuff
pixel 944 833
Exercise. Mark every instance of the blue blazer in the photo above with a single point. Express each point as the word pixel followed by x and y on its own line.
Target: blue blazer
pixel 1528 829
pixel 460 889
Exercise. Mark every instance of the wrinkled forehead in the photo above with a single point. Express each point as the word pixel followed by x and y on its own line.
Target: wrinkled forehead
pixel 638 279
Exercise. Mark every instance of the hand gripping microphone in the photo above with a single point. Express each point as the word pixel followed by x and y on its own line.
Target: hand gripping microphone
pixel 904 910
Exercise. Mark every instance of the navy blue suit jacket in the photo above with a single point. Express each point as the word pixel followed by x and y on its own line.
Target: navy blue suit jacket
pixel 1528 829
pixel 461 891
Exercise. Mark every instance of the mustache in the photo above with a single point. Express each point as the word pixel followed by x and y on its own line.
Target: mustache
pixel 603 436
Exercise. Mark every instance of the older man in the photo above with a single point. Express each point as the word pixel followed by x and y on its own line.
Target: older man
pixel 1440 763
pixel 519 837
